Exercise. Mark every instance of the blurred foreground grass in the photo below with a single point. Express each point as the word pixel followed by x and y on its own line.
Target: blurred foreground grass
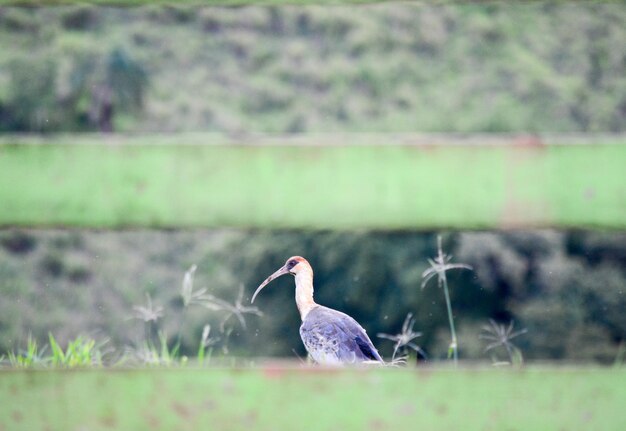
pixel 311 182
pixel 279 398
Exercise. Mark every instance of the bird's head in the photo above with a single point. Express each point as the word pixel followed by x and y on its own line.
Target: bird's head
pixel 293 266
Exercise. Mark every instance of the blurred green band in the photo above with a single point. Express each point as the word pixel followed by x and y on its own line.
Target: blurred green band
pixel 294 183
pixel 275 398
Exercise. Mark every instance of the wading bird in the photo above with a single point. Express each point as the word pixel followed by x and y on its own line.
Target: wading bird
pixel 330 336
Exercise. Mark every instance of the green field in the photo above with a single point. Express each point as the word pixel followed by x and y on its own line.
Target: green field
pixel 309 182
pixel 277 398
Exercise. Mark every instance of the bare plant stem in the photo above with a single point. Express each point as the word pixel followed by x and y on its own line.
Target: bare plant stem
pixel 509 351
pixel 149 330
pixel 454 344
pixel 179 338
pixel 444 283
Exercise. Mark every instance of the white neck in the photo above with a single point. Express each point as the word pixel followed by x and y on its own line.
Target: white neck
pixel 304 292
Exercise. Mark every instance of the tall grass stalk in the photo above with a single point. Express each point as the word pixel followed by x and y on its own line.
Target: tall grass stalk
pixel 438 267
pixel 205 348
pixel 188 296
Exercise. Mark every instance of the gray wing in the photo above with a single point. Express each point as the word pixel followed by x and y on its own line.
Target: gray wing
pixel 334 337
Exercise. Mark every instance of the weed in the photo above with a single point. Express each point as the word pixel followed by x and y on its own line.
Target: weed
pixel 404 340
pixel 211 302
pixel 500 336
pixel 189 297
pixel 438 266
pixel 150 353
pixel 206 345
pixel 226 333
pixel 187 293
pixel 149 314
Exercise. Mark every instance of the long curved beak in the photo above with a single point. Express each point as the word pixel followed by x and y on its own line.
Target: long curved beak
pixel 282 271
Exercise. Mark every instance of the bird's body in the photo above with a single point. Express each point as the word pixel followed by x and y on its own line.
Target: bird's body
pixel 330 336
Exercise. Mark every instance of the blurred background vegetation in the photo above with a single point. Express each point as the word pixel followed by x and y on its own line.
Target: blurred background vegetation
pixel 496 67
pixel 567 288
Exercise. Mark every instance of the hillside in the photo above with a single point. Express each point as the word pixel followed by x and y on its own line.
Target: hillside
pixel 389 67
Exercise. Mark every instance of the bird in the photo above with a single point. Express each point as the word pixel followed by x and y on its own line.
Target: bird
pixel 329 336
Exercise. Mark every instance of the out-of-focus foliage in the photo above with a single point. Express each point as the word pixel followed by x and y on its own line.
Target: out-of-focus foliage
pixel 567 289
pixel 72 85
pixel 43 97
pixel 496 67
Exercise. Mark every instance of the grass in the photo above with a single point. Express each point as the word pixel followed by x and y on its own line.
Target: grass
pixel 156 348
pixel 80 352
pixel 277 397
pixel 85 352
pixel 28 358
